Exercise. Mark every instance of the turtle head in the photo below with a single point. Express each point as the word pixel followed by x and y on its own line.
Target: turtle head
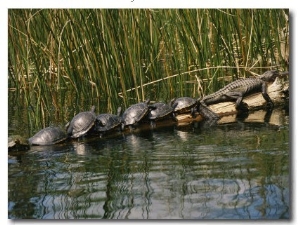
pixel 119 110
pixel 101 123
pixel 69 130
pixel 173 104
pixel 93 108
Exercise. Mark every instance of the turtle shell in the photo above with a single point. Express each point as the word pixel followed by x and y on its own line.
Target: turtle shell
pixel 160 110
pixel 183 104
pixel 81 123
pixel 135 113
pixel 106 122
pixel 48 136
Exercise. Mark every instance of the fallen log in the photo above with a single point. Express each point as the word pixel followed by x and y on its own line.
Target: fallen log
pixel 278 92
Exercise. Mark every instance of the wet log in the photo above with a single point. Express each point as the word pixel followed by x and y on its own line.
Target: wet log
pixel 278 92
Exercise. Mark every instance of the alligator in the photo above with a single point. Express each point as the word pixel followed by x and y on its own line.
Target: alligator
pixel 237 90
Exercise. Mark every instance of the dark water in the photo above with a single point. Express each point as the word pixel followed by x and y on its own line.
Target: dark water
pixel 236 170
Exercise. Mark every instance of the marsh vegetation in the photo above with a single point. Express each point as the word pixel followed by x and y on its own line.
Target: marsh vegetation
pixel 62 61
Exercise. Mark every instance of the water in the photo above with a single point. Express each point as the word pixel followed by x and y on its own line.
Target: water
pixel 236 170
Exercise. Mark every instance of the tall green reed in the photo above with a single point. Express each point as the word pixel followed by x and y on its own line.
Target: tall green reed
pixel 112 57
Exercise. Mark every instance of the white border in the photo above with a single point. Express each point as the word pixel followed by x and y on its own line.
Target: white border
pixel 294 13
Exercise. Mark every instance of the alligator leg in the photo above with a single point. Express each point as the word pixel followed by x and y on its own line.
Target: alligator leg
pixel 268 116
pixel 238 98
pixel 264 93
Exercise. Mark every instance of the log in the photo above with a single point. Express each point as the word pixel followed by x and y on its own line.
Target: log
pixel 276 90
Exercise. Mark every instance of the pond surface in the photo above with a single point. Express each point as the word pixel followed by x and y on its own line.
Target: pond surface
pixel 234 170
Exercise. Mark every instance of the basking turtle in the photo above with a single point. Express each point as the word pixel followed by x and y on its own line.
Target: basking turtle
pixel 184 105
pixel 160 110
pixel 187 104
pixel 17 143
pixel 48 136
pixel 81 123
pixel 135 113
pixel 106 122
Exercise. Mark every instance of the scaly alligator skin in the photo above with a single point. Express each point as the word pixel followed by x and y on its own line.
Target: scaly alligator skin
pixel 237 90
pixel 206 112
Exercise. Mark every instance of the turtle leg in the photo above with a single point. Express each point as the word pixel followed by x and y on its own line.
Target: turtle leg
pixel 173 116
pixel 122 126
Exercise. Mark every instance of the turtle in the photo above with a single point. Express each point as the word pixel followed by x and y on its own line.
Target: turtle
pixel 81 123
pixel 135 113
pixel 17 143
pixel 185 104
pixel 106 122
pixel 48 136
pixel 159 111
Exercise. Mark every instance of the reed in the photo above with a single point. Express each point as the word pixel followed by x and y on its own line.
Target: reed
pixel 113 57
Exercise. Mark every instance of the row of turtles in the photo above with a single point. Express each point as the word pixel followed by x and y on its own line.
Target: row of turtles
pixel 87 122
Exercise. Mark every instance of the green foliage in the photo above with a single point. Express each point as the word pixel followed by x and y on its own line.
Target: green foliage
pixel 112 57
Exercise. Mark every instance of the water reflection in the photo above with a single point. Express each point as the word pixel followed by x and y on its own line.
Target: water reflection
pixel 233 199
pixel 81 148
pixel 234 170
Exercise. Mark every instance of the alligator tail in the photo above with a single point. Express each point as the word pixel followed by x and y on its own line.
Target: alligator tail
pixel 207 113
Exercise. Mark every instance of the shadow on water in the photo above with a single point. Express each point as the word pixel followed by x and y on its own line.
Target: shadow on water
pixel 234 170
